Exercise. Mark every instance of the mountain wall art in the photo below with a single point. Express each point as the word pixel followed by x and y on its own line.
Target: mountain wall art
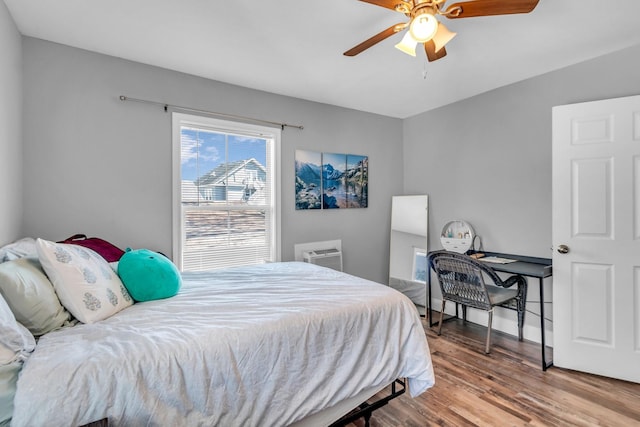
pixel 331 180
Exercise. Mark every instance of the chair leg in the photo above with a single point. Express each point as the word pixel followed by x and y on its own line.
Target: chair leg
pixel 487 347
pixel 464 313
pixel 441 317
pixel 521 311
pixel 522 306
pixel 520 325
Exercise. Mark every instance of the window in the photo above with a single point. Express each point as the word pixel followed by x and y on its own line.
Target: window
pixel 225 193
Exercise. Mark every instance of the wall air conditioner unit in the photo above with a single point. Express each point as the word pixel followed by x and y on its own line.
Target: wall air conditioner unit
pixel 331 258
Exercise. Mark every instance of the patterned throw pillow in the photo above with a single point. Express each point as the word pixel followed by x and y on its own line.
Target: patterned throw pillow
pixel 85 283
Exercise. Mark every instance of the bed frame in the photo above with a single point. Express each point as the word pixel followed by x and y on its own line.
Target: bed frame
pixel 365 409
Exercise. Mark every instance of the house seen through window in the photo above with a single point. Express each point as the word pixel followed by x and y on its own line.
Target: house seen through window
pixel 225 201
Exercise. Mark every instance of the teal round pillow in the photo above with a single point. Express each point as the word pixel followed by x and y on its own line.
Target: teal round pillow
pixel 148 275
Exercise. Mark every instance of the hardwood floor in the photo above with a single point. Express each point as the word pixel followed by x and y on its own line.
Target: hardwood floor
pixel 506 388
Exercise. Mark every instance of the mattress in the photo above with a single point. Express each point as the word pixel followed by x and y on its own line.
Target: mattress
pixel 265 345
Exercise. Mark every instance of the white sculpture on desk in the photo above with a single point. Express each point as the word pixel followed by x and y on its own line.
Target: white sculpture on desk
pixel 457 236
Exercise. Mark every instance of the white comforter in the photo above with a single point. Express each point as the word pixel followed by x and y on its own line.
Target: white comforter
pixel 255 346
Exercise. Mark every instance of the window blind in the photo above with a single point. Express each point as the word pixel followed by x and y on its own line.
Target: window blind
pixel 227 203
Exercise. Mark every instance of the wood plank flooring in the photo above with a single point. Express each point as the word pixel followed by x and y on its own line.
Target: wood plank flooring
pixel 506 388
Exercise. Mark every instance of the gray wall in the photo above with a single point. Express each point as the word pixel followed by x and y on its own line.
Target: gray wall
pixel 100 166
pixel 487 160
pixel 10 129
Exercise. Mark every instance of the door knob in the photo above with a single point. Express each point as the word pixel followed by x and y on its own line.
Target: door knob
pixel 563 249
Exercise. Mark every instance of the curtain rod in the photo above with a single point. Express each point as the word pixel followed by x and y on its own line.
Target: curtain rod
pixel 213 113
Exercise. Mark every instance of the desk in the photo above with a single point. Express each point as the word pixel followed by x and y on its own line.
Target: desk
pixel 533 267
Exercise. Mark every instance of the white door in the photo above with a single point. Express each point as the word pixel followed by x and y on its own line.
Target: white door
pixel 596 215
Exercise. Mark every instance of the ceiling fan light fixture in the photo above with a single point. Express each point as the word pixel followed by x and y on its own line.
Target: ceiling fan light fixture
pixel 407 45
pixel 423 27
pixel 442 37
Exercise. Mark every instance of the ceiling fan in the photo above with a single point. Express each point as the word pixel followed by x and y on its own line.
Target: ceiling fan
pixel 425 28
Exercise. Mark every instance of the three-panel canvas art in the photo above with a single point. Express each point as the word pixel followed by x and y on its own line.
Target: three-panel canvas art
pixel 331 180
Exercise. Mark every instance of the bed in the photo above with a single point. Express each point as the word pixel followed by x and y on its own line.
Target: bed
pixel 269 345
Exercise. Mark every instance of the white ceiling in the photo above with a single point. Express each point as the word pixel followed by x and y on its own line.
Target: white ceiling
pixel 295 48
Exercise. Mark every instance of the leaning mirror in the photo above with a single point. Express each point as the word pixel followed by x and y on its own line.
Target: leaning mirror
pixel 408 247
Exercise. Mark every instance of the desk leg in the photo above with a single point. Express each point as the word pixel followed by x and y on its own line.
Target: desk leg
pixel 545 365
pixel 429 312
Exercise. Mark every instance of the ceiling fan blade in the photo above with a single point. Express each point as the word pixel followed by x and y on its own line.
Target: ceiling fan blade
pixel 469 9
pixel 373 40
pixel 391 4
pixel 432 54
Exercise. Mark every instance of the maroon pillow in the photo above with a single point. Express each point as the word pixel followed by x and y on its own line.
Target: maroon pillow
pixel 109 252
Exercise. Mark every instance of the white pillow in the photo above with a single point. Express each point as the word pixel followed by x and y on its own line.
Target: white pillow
pixel 18 249
pixel 16 345
pixel 85 283
pixel 16 342
pixel 31 297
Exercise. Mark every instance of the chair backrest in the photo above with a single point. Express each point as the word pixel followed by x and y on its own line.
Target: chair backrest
pixel 462 279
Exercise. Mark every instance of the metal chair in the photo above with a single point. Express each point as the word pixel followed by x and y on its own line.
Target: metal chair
pixel 471 283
